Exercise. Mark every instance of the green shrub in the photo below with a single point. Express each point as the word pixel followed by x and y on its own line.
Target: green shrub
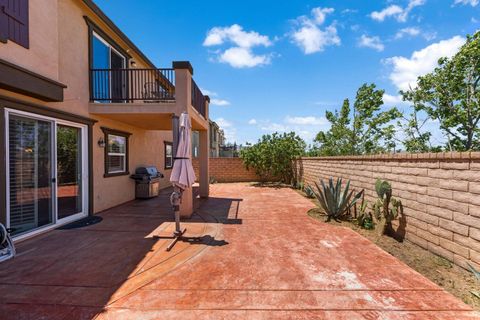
pixel 272 156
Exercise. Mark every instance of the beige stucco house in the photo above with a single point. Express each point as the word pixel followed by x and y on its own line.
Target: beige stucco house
pixel 80 108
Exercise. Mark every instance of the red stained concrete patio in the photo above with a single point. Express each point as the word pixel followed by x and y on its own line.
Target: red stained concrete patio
pixel 253 253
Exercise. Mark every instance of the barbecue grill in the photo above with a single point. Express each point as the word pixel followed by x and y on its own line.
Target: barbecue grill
pixel 147 182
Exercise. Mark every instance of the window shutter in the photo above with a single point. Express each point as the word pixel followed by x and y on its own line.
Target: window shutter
pixel 15 12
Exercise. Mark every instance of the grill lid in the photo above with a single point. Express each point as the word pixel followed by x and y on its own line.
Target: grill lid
pixel 148 171
pixel 145 173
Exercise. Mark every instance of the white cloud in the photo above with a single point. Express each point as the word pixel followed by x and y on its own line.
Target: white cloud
pixel 223 123
pixel 236 35
pixel 397 12
pixel 473 3
pixel 228 129
pixel 208 92
pixel 239 57
pixel 306 127
pixel 310 37
pixel 219 102
pixel 252 121
pixel 320 14
pixel 410 31
pixel 392 10
pixel 371 42
pixel 406 70
pixel 241 54
pixel 391 100
pixel 414 32
pixel 215 101
pixel 309 120
pixel 274 127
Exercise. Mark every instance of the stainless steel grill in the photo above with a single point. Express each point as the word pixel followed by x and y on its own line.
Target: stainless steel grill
pixel 147 182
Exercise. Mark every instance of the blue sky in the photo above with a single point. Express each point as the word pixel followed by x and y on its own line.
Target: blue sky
pixel 278 65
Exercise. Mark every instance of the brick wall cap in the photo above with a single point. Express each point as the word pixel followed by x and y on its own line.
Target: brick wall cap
pixel 449 156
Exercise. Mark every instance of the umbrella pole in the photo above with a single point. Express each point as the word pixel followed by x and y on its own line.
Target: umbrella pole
pixel 176 196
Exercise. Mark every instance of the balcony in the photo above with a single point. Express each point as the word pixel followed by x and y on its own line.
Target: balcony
pixel 142 87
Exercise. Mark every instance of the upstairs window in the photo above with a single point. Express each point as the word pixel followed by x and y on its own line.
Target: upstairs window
pixel 14 22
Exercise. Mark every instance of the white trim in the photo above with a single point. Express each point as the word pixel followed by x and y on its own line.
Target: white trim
pixel 56 222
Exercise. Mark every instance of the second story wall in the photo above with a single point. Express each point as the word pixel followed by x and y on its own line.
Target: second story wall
pixel 42 53
pixel 74 52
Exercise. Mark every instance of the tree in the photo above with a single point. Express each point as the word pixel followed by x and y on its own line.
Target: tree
pixel 336 141
pixel 366 130
pixel 450 95
pixel 273 155
pixel 416 139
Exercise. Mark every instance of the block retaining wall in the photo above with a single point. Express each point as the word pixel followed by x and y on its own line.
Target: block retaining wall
pixel 440 193
pixel 227 170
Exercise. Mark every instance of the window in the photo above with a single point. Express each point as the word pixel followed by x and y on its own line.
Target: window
pixel 14 22
pixel 109 82
pixel 116 152
pixel 168 155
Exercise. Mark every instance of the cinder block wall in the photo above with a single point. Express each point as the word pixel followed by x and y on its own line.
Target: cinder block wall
pixel 227 170
pixel 440 193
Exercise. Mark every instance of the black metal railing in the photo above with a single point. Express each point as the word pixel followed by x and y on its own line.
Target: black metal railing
pixel 130 85
pixel 198 99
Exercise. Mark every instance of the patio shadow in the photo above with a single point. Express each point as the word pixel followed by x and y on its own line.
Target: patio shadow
pixel 224 210
pixel 81 271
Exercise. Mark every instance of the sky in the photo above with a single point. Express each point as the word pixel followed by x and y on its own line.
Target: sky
pixel 279 65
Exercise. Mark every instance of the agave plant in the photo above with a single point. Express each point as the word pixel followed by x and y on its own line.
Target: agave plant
pixel 333 201
pixel 309 192
pixel 386 208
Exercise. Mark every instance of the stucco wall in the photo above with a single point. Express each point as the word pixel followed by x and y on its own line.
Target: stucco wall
pixel 59 50
pixel 227 170
pixel 146 148
pixel 42 56
pixel 440 193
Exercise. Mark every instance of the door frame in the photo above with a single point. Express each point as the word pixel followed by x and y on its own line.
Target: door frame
pixel 85 171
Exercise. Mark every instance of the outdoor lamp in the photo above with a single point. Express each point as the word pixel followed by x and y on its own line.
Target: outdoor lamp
pixel 101 143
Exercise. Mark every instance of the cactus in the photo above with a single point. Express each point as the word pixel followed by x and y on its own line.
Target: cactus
pixel 386 208
pixel 364 218
pixel 333 201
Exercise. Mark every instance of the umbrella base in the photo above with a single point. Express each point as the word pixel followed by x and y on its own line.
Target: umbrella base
pixel 177 235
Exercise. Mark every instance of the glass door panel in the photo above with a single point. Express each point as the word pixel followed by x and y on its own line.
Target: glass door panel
pixel 69 171
pixel 101 60
pixel 117 63
pixel 30 173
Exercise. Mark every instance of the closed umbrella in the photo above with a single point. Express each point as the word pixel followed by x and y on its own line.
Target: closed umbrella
pixel 182 176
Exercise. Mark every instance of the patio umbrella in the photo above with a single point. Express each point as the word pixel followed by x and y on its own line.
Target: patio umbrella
pixel 182 176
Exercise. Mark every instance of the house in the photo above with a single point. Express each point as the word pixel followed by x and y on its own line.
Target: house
pixel 217 139
pixel 80 108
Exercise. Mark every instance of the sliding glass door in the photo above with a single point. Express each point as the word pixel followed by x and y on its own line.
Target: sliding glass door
pixel 47 172
pixel 30 171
